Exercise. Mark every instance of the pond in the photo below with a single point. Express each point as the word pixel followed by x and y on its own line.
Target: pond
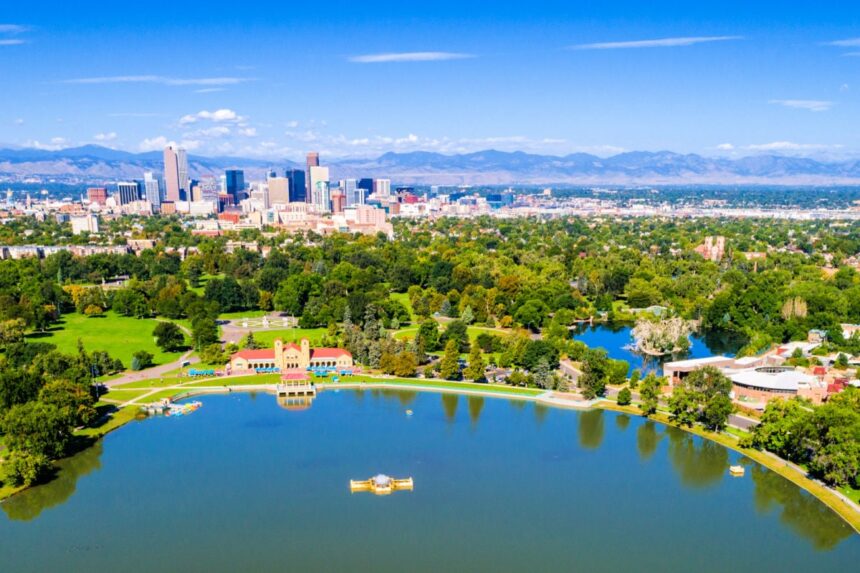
pixel 617 340
pixel 500 485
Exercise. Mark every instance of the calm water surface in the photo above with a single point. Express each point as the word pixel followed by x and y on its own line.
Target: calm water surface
pixel 244 485
pixel 617 338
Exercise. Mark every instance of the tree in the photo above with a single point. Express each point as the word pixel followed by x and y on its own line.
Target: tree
pixel 204 332
pixel 537 351
pixel 475 370
pixel 624 397
pixel 649 394
pixel 37 428
pixel 634 378
pixel 684 406
pixel 74 401
pixel 250 342
pixel 468 316
pixel 406 364
pixel 168 337
pixel 449 366
pixel 702 396
pixel 543 376
pixel 11 332
pixel 141 360
pixel 25 468
pixel 595 366
pixel 459 332
pixel 213 354
pixel 429 332
pixel 532 314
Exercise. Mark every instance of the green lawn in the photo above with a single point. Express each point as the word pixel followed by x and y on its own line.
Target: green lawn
pixel 203 280
pixel 472 331
pixel 120 336
pixel 238 381
pixel 403 298
pixel 448 385
pixel 124 395
pixel 242 314
pixel 266 338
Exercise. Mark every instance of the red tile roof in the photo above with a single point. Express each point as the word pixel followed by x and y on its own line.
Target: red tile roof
pixel 329 353
pixel 259 354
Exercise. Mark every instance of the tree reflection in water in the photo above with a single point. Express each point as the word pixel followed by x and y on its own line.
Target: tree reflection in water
pixel 699 465
pixel 476 405
pixel 591 429
pixel 541 413
pixel 30 503
pixel 622 421
pixel 801 512
pixel 647 440
pixel 449 404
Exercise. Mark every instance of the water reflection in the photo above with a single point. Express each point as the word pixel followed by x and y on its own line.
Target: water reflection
pixel 476 404
pixel 699 463
pixel 647 440
pixel 30 503
pixel 591 429
pixel 541 412
pixel 449 404
pixel 801 512
pixel 622 421
pixel 295 403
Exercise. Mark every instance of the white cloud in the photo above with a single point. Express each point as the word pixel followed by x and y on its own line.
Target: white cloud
pixel 13 28
pixel 791 146
pixel 248 131
pixel 658 43
pixel 105 136
pixel 54 144
pixel 408 57
pixel 163 80
pixel 218 116
pixel 806 104
pixel 160 142
pixel 11 42
pixel 18 121
pixel 726 147
pixel 846 43
pixel 209 90
pixel 292 124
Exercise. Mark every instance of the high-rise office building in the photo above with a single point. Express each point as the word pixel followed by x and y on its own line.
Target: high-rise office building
pixel 298 185
pixel 127 192
pixel 235 183
pixel 209 188
pixel 152 186
pixel 320 192
pixel 382 188
pixel 354 193
pixel 97 195
pixel 313 160
pixel 279 190
pixel 171 175
pixel 366 183
pixel 338 201
pixel 182 168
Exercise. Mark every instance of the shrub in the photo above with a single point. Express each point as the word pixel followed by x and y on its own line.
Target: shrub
pixel 624 397
pixel 24 468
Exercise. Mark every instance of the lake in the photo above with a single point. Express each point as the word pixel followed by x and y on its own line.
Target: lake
pixel 500 485
pixel 616 339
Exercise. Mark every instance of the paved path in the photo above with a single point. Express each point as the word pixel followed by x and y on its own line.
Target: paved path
pixel 155 371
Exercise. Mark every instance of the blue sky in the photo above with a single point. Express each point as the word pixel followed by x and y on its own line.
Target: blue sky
pixel 361 78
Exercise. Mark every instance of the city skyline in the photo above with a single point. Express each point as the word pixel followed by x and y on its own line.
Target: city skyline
pixel 725 79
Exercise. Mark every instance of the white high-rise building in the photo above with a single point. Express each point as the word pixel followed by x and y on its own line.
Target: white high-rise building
pixel 354 193
pixel 153 186
pixel 382 188
pixel 320 192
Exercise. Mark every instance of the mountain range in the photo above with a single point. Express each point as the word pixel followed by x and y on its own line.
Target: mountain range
pixel 95 164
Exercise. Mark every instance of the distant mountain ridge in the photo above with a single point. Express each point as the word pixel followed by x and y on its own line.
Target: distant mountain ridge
pixel 93 163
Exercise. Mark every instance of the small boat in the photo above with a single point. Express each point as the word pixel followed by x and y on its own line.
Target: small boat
pixel 409 412
pixel 381 484
pixel 736 470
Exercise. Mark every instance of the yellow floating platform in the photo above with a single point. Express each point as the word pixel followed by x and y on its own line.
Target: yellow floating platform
pixel 381 484
pixel 736 470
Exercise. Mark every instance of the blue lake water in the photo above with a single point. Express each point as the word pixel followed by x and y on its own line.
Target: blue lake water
pixel 617 339
pixel 245 485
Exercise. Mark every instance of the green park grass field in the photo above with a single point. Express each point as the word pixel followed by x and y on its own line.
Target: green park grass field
pixel 266 338
pixel 120 336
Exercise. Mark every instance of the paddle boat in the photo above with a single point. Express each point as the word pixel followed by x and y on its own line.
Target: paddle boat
pixel 381 484
pixel 736 471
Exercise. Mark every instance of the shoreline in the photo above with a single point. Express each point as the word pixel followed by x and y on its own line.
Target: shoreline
pixel 836 501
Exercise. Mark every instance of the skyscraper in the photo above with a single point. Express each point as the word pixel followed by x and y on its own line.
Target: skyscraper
pixel 354 193
pixel 97 195
pixel 279 190
pixel 298 185
pixel 209 188
pixel 382 188
pixel 171 175
pixel 182 168
pixel 320 192
pixel 366 184
pixel 126 192
pixel 312 161
pixel 152 188
pixel 235 179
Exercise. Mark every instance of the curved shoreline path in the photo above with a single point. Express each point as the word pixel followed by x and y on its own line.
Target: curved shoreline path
pixel 156 371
